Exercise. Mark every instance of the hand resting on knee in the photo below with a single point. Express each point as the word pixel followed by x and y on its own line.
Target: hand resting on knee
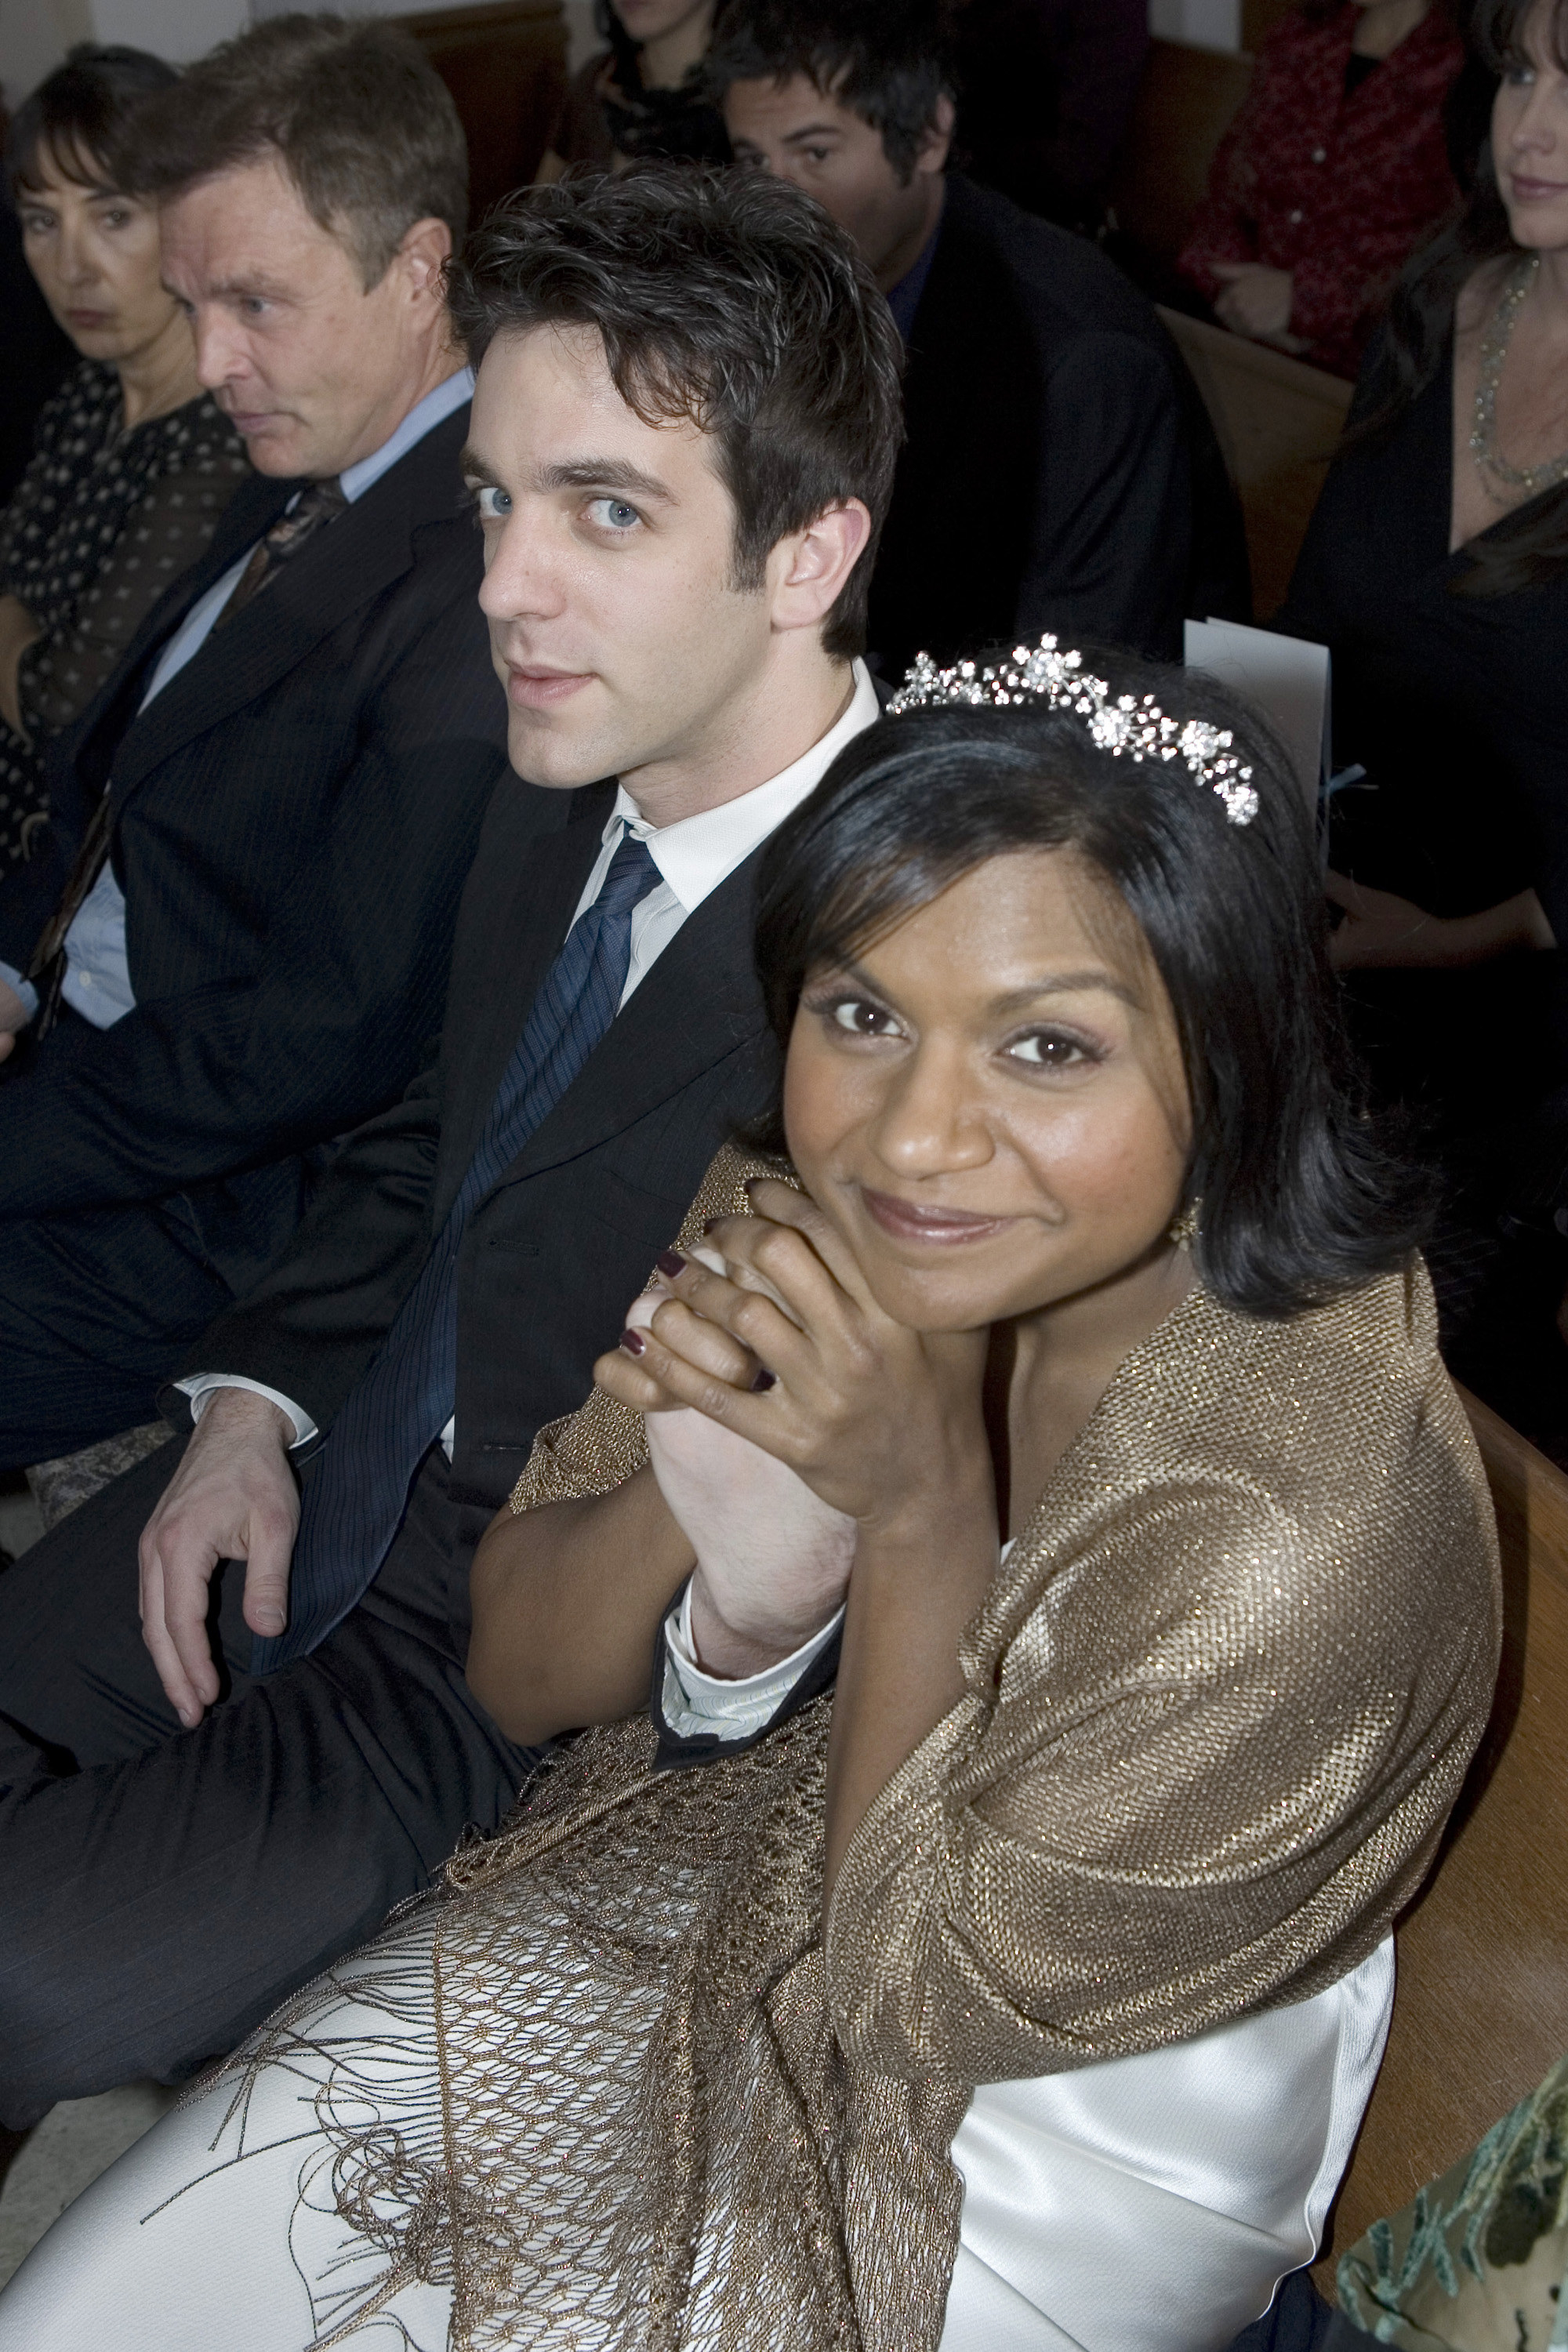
pixel 232 1497
pixel 14 1018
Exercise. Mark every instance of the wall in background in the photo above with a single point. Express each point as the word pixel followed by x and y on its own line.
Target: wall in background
pixel 1204 24
pixel 581 39
pixel 35 34
pixel 176 29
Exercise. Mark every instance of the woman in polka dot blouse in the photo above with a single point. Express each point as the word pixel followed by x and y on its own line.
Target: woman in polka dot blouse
pixel 133 463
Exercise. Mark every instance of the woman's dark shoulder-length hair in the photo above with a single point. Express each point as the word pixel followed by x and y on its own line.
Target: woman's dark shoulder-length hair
pixel 74 117
pixel 1529 548
pixel 1300 1203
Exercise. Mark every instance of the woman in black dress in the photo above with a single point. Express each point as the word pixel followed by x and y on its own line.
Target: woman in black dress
pixel 133 462
pixel 1436 569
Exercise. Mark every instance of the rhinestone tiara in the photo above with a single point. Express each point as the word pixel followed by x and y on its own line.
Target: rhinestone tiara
pixel 1130 725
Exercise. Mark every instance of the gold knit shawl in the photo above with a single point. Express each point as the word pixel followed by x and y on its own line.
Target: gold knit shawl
pixel 1218 1706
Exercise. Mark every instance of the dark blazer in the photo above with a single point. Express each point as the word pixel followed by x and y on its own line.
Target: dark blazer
pixel 1060 470
pixel 552 1257
pixel 294 817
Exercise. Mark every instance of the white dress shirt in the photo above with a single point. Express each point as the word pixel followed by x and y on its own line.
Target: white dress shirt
pixel 695 1703
pixel 693 857
pixel 98 971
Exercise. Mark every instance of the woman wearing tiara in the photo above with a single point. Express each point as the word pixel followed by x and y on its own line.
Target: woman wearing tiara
pixel 1031 1590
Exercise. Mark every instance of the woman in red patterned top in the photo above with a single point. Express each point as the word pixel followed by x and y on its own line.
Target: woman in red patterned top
pixel 1334 171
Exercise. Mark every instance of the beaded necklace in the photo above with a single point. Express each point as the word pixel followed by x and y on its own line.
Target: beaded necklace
pixel 1490 459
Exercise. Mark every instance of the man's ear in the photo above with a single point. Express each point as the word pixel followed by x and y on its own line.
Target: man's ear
pixel 931 154
pixel 423 252
pixel 808 571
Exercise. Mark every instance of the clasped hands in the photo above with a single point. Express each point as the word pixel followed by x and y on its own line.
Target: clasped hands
pixel 863 1426
pixel 788 1416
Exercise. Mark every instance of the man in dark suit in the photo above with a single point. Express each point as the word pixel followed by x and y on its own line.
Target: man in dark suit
pixel 235 946
pixel 682 441
pixel 1060 471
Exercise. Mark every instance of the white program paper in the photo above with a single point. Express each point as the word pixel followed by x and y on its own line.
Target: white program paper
pixel 1288 677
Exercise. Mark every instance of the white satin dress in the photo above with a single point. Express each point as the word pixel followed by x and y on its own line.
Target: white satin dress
pixel 1146 2204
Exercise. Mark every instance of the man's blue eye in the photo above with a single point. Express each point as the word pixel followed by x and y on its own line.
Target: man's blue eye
pixel 494 505
pixel 614 514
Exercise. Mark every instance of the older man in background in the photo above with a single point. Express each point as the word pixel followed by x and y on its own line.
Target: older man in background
pixel 235 947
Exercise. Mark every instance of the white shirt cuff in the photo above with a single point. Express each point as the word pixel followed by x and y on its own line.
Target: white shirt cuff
pixel 698 1705
pixel 23 988
pixel 203 1385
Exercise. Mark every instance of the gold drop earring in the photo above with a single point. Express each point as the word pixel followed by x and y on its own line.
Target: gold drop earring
pixel 1183 1229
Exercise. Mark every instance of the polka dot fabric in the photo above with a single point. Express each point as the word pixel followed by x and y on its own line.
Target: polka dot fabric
pixel 102 521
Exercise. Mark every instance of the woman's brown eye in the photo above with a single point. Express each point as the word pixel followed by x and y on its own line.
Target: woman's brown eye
pixel 1047 1050
pixel 862 1020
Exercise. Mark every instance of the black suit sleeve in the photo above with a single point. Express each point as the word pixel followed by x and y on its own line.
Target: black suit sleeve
pixel 228 1076
pixel 313 1323
pixel 1112 535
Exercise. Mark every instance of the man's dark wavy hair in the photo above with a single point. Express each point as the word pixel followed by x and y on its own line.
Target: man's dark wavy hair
pixel 732 301
pixel 1299 1202
pixel 889 62
pixel 360 121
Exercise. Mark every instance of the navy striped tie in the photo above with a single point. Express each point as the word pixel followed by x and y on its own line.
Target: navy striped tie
pixel 353 1503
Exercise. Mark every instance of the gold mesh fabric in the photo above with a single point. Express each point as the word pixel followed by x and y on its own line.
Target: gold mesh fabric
pixel 1218 1706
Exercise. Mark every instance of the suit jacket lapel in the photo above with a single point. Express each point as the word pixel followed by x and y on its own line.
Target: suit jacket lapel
pixel 357 557
pixel 698 1003
pixel 87 751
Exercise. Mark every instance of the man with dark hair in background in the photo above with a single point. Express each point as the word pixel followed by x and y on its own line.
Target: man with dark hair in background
pixel 1060 471
pixel 234 947
pixel 682 445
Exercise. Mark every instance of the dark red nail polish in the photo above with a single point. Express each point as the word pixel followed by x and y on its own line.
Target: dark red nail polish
pixel 671 1263
pixel 633 1342
pixel 764 1380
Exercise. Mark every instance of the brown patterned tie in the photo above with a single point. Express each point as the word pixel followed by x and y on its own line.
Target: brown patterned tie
pixel 322 503
pixel 317 505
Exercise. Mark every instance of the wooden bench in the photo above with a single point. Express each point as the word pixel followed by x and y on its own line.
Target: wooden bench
pixel 1186 100
pixel 1482 2009
pixel 505 65
pixel 1278 422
